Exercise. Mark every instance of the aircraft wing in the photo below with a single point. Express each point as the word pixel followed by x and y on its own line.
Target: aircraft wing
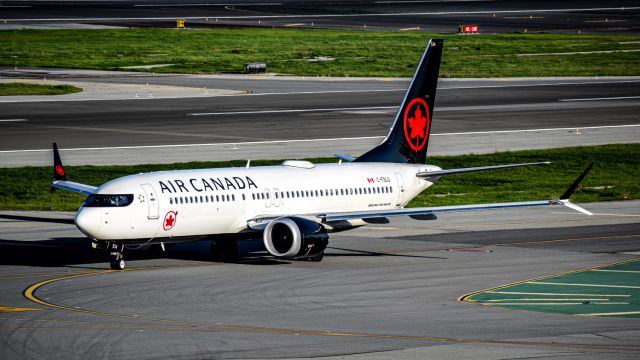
pixel 261 221
pixel 423 211
pixel 438 173
pixel 426 211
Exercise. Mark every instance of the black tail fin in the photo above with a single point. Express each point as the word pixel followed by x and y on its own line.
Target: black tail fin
pixel 409 136
pixel 58 169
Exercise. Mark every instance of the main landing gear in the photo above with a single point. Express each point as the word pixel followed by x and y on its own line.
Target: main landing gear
pixel 116 255
pixel 224 250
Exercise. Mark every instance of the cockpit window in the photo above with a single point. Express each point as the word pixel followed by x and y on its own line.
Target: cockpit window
pixel 99 200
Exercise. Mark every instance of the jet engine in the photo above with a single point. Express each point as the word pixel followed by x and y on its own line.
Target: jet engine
pixel 294 238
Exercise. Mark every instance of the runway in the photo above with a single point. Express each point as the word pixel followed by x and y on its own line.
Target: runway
pixel 433 16
pixel 382 292
pixel 271 117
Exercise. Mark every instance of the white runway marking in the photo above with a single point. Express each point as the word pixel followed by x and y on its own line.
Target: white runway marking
pixel 586 285
pixel 430 13
pixel 613 313
pixel 553 294
pixel 13 120
pixel 207 4
pixel 535 84
pixel 536 130
pixel 287 111
pixel 603 98
pixel 312 140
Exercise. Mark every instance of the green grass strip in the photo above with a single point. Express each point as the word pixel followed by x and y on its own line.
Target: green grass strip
pixel 614 177
pixel 355 53
pixel 14 89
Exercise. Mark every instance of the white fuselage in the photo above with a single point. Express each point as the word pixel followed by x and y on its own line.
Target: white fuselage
pixel 179 204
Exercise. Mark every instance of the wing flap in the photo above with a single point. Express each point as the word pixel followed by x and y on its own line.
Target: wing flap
pixel 428 210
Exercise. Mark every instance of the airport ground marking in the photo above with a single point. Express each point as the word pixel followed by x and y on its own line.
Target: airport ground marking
pixel 584 285
pixel 552 294
pixel 173 325
pixel 560 304
pixel 615 237
pixel 279 142
pixel 497 288
pixel 544 299
pixel 7 309
pixel 288 111
pixel 319 16
pixel 602 98
pixel 555 304
pixel 612 313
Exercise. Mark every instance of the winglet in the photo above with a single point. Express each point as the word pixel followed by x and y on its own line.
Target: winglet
pixel 564 199
pixel 567 194
pixel 58 169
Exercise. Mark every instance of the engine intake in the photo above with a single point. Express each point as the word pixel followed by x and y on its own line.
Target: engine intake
pixel 292 237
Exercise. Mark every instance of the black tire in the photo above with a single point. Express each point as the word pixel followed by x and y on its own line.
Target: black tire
pixel 224 250
pixel 118 264
pixel 317 258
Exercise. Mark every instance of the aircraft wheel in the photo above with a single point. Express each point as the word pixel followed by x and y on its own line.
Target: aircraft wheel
pixel 224 250
pixel 317 258
pixel 117 264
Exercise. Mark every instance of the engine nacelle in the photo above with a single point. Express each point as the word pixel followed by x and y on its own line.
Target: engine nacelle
pixel 293 237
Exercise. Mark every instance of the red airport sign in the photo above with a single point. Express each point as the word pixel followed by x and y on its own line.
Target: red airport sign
pixel 468 29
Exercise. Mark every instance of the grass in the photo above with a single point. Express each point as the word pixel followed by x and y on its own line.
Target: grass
pixel 356 53
pixel 13 89
pixel 614 177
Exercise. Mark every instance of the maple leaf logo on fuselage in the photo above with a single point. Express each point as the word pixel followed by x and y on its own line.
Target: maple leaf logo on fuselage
pixel 169 220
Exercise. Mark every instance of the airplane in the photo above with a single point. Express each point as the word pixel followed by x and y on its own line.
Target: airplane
pixel 292 207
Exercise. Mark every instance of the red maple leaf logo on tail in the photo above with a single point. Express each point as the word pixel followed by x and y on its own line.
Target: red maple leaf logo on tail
pixel 417 124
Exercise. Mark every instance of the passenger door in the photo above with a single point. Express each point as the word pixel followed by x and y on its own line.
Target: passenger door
pixel 152 202
pixel 401 189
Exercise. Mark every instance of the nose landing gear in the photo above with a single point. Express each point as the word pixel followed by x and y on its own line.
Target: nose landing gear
pixel 116 255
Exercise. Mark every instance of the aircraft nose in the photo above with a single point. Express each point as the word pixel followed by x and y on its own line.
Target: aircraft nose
pixel 88 221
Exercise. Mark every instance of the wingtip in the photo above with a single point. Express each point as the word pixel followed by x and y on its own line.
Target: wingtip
pixel 576 183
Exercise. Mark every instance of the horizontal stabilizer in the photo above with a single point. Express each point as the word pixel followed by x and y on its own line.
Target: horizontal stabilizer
pixel 60 181
pixel 73 186
pixel 438 173
pixel 345 157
